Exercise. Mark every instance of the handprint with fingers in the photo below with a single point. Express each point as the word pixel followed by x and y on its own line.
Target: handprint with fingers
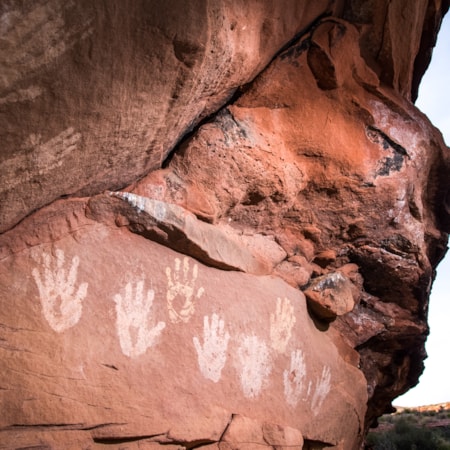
pixel 323 386
pixel 294 377
pixel 60 299
pixel 134 324
pixel 212 355
pixel 254 364
pixel 281 324
pixel 181 291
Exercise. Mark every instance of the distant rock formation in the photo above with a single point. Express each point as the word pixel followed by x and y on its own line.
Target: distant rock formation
pixel 220 220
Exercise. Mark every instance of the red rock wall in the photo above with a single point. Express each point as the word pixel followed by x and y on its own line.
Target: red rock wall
pixel 264 279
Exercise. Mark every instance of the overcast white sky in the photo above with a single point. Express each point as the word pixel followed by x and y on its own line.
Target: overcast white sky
pixel 434 101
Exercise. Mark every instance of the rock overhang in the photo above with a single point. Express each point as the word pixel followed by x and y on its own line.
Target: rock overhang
pixel 318 166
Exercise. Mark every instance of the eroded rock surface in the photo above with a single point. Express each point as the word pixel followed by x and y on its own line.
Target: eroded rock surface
pixel 254 217
pixel 102 315
pixel 104 90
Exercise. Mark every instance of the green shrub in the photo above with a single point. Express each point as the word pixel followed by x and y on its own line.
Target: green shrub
pixel 445 433
pixel 405 435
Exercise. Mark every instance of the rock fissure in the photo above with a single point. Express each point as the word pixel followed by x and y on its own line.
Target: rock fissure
pixel 110 366
pixel 240 90
pixel 388 163
pixel 56 426
pixel 389 142
pixel 115 440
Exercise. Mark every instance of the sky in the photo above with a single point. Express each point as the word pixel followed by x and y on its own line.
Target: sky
pixel 434 101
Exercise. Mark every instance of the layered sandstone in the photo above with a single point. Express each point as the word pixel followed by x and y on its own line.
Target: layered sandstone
pixel 221 221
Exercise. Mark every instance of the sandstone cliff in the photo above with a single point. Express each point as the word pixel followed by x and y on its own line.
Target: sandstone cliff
pixel 220 220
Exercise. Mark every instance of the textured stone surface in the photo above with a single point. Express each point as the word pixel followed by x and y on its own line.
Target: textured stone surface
pixel 260 155
pixel 95 94
pixel 116 337
pixel 339 172
pixel 179 229
pixel 330 296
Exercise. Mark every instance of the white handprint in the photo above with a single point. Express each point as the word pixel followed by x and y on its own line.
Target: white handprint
pixel 254 362
pixel 212 356
pixel 135 332
pixel 293 378
pixel 183 289
pixel 61 302
pixel 322 388
pixel 281 324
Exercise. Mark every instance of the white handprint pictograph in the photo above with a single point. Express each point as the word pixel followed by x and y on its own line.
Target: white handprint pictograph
pixel 181 289
pixel 134 327
pixel 61 301
pixel 323 386
pixel 281 324
pixel 294 377
pixel 212 355
pixel 255 366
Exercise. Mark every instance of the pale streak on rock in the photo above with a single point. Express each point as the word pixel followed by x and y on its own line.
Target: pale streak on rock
pixel 22 95
pixel 45 158
pixel 215 247
pixel 155 208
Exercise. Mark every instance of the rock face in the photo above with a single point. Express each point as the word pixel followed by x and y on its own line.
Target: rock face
pixel 221 221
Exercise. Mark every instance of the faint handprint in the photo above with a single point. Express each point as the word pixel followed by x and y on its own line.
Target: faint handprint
pixel 212 356
pixel 281 324
pixel 61 301
pixel 323 386
pixel 134 327
pixel 181 287
pixel 293 378
pixel 254 363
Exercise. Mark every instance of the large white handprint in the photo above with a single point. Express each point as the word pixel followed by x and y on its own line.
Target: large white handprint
pixel 254 363
pixel 293 378
pixel 61 301
pixel 212 356
pixel 281 324
pixel 136 333
pixel 182 288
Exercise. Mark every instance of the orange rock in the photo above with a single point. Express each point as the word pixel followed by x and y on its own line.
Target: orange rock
pixel 330 296
pixel 257 149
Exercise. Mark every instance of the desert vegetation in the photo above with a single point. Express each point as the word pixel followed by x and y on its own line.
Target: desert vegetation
pixel 412 429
